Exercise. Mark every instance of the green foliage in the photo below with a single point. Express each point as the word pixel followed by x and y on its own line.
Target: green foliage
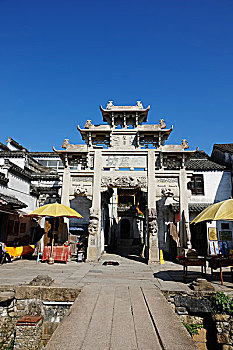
pixel 222 304
pixel 193 328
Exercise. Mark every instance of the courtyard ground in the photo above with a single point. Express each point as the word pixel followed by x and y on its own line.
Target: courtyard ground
pixel 132 270
pixel 119 307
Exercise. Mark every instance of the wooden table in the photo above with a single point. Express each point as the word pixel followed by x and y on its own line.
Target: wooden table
pixel 216 262
pixel 201 261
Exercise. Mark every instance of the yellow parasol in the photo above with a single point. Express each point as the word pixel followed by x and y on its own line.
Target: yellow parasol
pixel 55 210
pixel 218 211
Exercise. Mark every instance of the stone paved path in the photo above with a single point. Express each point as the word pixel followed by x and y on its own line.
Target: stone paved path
pixel 117 317
pixel 120 308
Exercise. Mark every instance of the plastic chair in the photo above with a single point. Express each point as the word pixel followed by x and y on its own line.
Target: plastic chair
pixel 39 257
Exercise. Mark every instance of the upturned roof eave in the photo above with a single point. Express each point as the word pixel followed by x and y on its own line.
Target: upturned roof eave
pixel 152 130
pixel 71 150
pixel 182 150
pixel 118 109
pixel 93 129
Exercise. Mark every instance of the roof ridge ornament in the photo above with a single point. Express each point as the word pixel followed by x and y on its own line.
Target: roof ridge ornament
pixel 139 104
pixel 88 124
pixel 109 105
pixel 162 124
pixel 184 143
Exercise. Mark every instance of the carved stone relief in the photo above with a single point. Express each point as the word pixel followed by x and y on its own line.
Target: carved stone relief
pixel 139 104
pixel 88 124
pixel 167 192
pixel 184 143
pixel 162 124
pixel 152 222
pixel 109 105
pixel 80 190
pixel 94 222
pixel 124 181
pixel 67 145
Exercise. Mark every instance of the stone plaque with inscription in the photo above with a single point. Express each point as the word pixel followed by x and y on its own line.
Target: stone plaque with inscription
pixel 123 141
pixel 124 161
pixel 167 187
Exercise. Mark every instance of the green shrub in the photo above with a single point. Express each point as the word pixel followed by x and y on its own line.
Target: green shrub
pixel 193 328
pixel 222 304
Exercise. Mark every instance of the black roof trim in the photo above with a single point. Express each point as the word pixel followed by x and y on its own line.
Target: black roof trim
pixel 196 207
pixel 224 147
pixel 15 169
pixel 43 154
pixel 12 201
pixel 3 179
pixel 16 144
pixel 3 147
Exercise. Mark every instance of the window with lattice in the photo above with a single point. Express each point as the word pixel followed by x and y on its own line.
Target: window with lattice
pixel 196 184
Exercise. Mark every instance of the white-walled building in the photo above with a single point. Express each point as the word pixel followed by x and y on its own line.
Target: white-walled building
pixel 24 185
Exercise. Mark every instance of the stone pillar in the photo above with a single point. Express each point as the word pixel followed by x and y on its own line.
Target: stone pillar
pixel 152 226
pixel 65 196
pixel 94 229
pixel 185 234
pixel 42 225
pixel 28 333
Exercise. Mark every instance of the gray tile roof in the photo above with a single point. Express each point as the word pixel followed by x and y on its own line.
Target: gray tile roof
pixel 196 207
pixel 3 147
pixel 224 147
pixel 3 179
pixel 201 161
pixel 12 201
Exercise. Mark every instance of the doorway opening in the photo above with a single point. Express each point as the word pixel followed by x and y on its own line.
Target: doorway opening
pixel 125 229
pixel 199 238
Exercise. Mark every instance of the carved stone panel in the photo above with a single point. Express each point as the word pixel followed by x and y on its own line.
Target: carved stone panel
pixel 81 186
pixel 167 187
pixel 123 141
pixel 124 161
pixel 152 222
pixel 94 224
pixel 78 179
pixel 124 182
pixel 80 190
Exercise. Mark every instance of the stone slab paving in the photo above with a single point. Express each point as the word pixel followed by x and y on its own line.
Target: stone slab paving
pixel 166 277
pixel 121 317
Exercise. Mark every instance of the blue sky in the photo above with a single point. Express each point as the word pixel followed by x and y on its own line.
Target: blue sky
pixel 61 59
